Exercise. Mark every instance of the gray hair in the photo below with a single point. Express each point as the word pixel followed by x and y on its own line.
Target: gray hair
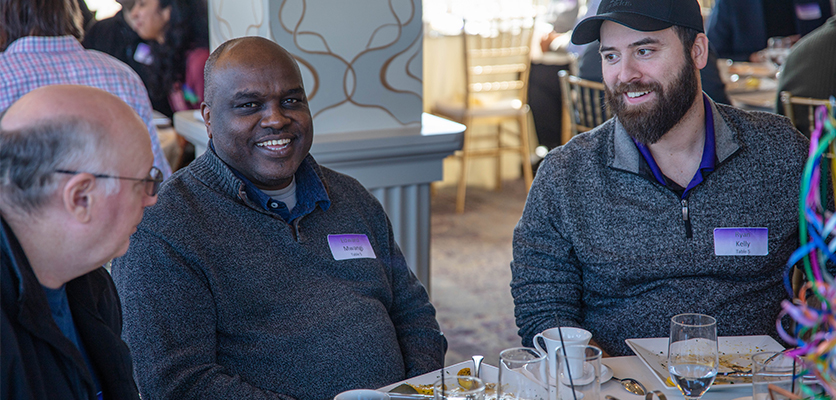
pixel 30 156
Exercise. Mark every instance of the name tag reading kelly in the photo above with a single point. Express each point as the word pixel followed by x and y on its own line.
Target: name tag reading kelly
pixel 349 246
pixel 741 241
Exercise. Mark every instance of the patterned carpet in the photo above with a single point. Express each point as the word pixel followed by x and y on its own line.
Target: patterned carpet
pixel 470 271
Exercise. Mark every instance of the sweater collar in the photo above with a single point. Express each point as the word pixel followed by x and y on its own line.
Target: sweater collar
pixel 624 155
pixel 310 192
pixel 211 170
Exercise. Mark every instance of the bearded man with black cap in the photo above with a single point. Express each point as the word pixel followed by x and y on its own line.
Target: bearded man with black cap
pixel 676 204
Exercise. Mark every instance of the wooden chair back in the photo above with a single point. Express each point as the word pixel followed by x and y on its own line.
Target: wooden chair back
pixel 800 110
pixel 585 103
pixel 497 59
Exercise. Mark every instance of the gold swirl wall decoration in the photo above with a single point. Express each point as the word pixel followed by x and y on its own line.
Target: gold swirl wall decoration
pixel 354 76
pixel 310 92
pixel 383 80
pixel 225 29
pixel 418 51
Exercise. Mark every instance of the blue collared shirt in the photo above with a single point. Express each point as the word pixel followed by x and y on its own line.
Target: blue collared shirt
pixel 310 192
pixel 707 162
pixel 59 304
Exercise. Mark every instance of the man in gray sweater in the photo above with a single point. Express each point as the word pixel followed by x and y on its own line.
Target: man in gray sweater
pixel 260 274
pixel 677 204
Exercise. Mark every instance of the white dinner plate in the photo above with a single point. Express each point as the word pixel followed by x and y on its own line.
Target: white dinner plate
pixel 489 374
pixel 735 355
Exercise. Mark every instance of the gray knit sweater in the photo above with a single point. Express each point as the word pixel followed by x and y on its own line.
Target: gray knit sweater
pixel 224 300
pixel 600 247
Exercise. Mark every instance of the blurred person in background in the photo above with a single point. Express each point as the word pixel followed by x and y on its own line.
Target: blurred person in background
pixel 116 36
pixel 587 57
pixel 39 46
pixel 544 93
pixel 810 71
pixel 740 29
pixel 88 18
pixel 178 33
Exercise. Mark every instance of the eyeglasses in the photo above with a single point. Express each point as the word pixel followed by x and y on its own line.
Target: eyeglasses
pixel 152 182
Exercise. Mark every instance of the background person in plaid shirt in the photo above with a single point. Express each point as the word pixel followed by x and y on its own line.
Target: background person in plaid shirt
pixel 40 46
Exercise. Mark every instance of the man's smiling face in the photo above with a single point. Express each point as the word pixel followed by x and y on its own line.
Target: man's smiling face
pixel 651 81
pixel 259 119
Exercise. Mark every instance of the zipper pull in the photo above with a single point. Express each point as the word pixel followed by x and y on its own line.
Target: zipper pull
pixel 686 218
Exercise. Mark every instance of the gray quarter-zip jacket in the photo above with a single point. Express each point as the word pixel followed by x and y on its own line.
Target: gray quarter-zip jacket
pixel 225 300
pixel 600 247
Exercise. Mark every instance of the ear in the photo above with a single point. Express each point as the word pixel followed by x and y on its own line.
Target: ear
pixel 166 14
pixel 78 197
pixel 699 52
pixel 205 111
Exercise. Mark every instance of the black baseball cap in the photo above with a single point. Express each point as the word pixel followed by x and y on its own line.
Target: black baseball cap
pixel 641 15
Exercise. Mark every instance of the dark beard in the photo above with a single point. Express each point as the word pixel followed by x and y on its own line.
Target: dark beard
pixel 648 123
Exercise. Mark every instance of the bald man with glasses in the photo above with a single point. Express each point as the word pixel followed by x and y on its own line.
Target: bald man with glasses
pixel 76 172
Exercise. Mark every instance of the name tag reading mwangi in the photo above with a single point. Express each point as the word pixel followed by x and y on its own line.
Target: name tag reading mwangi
pixel 741 241
pixel 349 246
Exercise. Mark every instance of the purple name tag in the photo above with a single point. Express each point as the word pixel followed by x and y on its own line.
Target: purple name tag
pixel 808 12
pixel 349 246
pixel 143 54
pixel 741 241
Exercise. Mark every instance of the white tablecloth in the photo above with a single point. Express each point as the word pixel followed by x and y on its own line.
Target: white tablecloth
pixel 622 367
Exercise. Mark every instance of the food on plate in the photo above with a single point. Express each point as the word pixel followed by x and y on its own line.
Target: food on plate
pixel 422 389
pixel 735 362
pixel 490 388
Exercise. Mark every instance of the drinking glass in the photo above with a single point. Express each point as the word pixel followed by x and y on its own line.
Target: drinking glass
pixel 692 353
pixel 775 369
pixel 777 50
pixel 579 370
pixel 523 375
pixel 459 388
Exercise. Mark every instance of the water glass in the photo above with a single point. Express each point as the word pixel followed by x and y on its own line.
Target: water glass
pixel 775 369
pixel 777 50
pixel 523 375
pixel 459 388
pixel 693 353
pixel 579 369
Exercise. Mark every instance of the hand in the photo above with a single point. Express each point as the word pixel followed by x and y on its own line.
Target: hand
pixel 758 57
pixel 763 55
pixel 547 39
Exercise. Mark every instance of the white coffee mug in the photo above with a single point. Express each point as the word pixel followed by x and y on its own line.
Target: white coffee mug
pixel 571 336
